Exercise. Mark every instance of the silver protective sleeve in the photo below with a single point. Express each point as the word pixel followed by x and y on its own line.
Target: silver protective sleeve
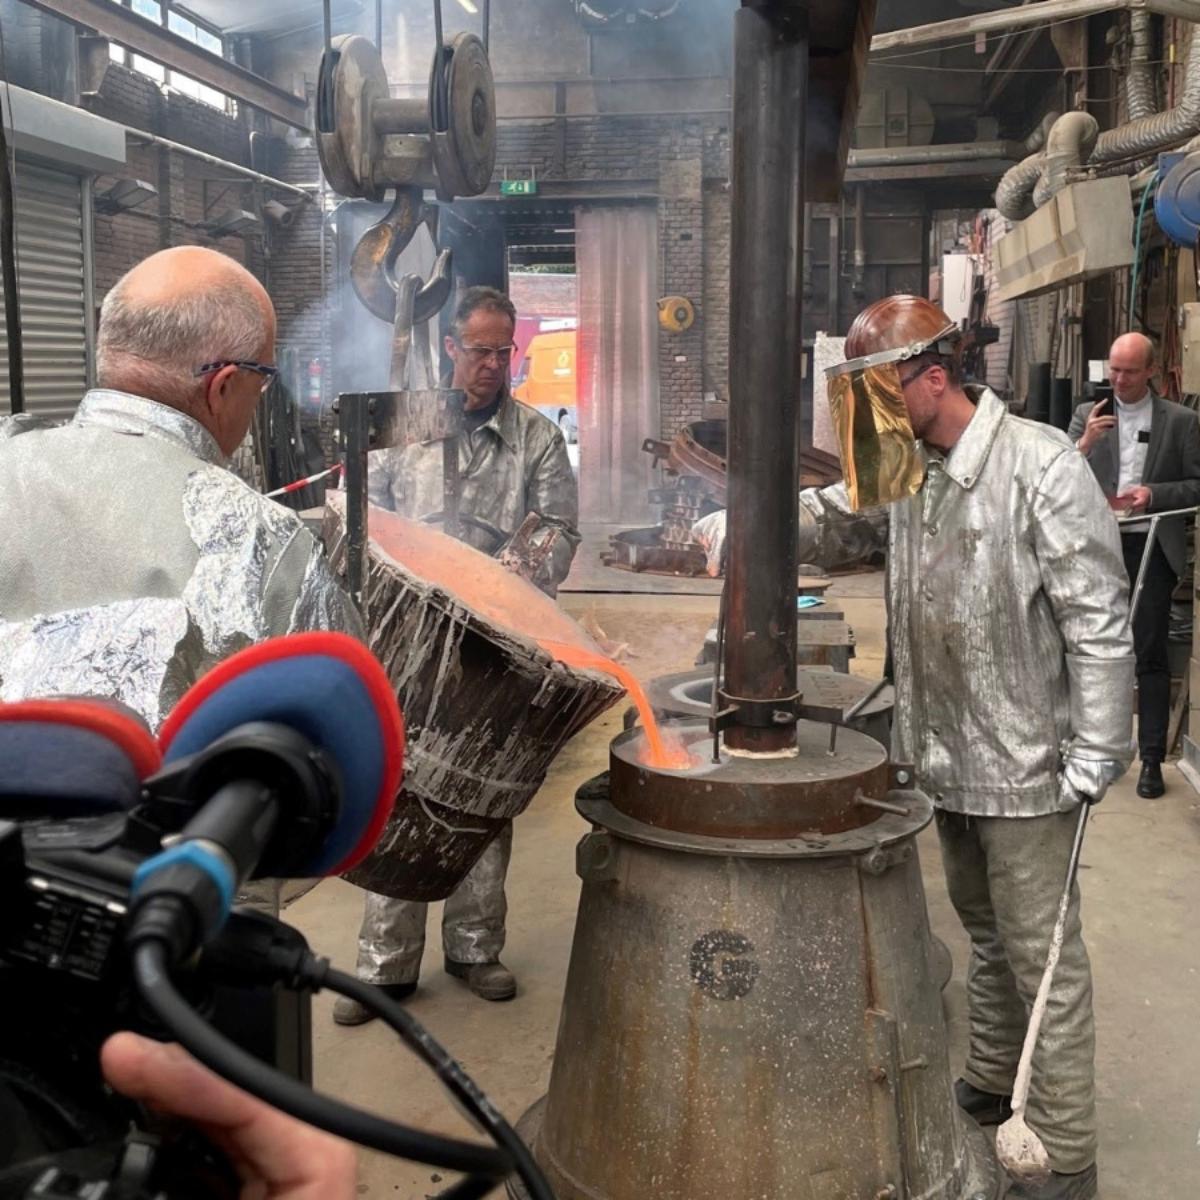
pixel 142 652
pixel 1101 709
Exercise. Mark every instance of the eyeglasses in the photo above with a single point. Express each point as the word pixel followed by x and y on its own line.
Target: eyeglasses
pixel 481 354
pixel 268 372
pixel 918 373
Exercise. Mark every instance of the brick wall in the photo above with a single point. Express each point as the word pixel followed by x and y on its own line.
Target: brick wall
pixel 717 229
pixel 673 158
pixel 680 160
pixel 190 191
pixel 294 269
pixel 176 217
pixel 543 294
pixel 39 51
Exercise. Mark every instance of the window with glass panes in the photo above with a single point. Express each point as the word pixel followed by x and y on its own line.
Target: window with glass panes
pixel 178 21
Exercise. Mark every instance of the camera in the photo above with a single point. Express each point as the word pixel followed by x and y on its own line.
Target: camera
pixel 121 858
pixel 66 983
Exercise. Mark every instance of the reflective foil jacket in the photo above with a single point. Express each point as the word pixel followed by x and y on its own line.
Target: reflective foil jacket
pixel 515 463
pixel 132 561
pixel 1008 610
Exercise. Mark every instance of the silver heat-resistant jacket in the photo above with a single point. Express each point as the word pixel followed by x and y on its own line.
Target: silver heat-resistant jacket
pixel 1008 613
pixel 515 463
pixel 132 561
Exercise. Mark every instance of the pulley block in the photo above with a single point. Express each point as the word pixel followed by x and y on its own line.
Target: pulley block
pixel 369 141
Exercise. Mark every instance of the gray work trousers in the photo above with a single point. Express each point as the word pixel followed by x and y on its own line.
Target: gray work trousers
pixel 392 938
pixel 1005 876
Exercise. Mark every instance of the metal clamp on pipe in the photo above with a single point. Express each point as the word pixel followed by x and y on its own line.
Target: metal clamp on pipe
pixel 755 713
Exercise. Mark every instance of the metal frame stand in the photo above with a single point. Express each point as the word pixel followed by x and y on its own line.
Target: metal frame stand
pixel 1175 723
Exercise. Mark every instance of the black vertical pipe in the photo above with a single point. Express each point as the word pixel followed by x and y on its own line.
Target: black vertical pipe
pixel 8 275
pixel 1037 397
pixel 1062 402
pixel 769 99
pixel 354 430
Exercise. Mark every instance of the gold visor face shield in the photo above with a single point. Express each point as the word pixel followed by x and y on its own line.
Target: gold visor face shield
pixel 881 461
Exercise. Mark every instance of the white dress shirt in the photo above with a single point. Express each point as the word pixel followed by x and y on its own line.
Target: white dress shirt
pixel 1132 420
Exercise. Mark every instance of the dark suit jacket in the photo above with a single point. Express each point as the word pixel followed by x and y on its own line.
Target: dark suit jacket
pixel 1172 466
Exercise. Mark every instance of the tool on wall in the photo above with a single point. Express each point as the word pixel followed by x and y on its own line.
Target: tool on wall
pixel 676 314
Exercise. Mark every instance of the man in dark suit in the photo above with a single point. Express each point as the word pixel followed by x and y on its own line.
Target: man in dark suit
pixel 1145 452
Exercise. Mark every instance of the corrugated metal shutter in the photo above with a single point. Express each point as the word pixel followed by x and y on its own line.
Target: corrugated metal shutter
pixel 53 290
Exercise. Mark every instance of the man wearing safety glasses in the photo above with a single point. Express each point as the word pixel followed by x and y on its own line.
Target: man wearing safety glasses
pixel 132 559
pixel 1008 615
pixel 512 462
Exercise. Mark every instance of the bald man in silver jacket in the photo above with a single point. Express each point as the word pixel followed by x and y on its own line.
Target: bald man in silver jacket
pixel 132 560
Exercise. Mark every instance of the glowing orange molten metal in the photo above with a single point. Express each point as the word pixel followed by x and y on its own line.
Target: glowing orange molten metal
pixel 515 605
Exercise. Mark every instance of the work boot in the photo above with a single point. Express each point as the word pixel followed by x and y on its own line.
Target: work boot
pixel 986 1107
pixel 1080 1186
pixel 1150 782
pixel 489 981
pixel 347 1011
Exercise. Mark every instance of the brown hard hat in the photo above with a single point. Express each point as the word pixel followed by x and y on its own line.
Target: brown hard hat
pixel 893 322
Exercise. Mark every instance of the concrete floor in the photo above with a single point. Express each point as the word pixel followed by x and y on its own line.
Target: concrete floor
pixel 1141 894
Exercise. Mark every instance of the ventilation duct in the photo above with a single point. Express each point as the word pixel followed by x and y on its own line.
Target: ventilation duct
pixel 1140 99
pixel 1070 143
pixel 1014 192
pixel 1041 131
pixel 1161 131
pixel 941 152
pixel 1138 138
pixel 1086 229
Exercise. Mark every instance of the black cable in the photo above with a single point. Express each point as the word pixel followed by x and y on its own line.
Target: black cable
pixel 437 27
pixel 289 1095
pixel 427 1048
pixel 8 255
pixel 441 95
pixel 470 1188
pixel 487 23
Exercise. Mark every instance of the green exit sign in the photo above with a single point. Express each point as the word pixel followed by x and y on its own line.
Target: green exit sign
pixel 518 187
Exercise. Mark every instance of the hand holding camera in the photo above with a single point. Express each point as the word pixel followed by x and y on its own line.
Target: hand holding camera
pixel 276 1157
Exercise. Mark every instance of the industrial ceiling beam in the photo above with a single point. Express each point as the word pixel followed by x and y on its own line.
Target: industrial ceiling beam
pixel 1029 14
pixel 1007 74
pixel 1000 51
pixel 121 25
pixel 984 169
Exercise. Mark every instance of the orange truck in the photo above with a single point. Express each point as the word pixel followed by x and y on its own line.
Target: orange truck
pixel 546 379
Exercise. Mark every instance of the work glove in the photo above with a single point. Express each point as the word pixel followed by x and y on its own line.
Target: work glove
pixel 710 533
pixel 1083 779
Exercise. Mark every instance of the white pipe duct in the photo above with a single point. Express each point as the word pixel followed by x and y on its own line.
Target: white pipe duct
pixel 1024 16
pixel 1161 131
pixel 1140 101
pixel 1068 147
pixel 1035 179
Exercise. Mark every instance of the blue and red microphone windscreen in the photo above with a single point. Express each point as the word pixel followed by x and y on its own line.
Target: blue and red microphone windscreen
pixel 328 687
pixel 72 756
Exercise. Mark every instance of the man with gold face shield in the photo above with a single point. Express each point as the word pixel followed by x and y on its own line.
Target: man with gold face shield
pixel 1013 665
